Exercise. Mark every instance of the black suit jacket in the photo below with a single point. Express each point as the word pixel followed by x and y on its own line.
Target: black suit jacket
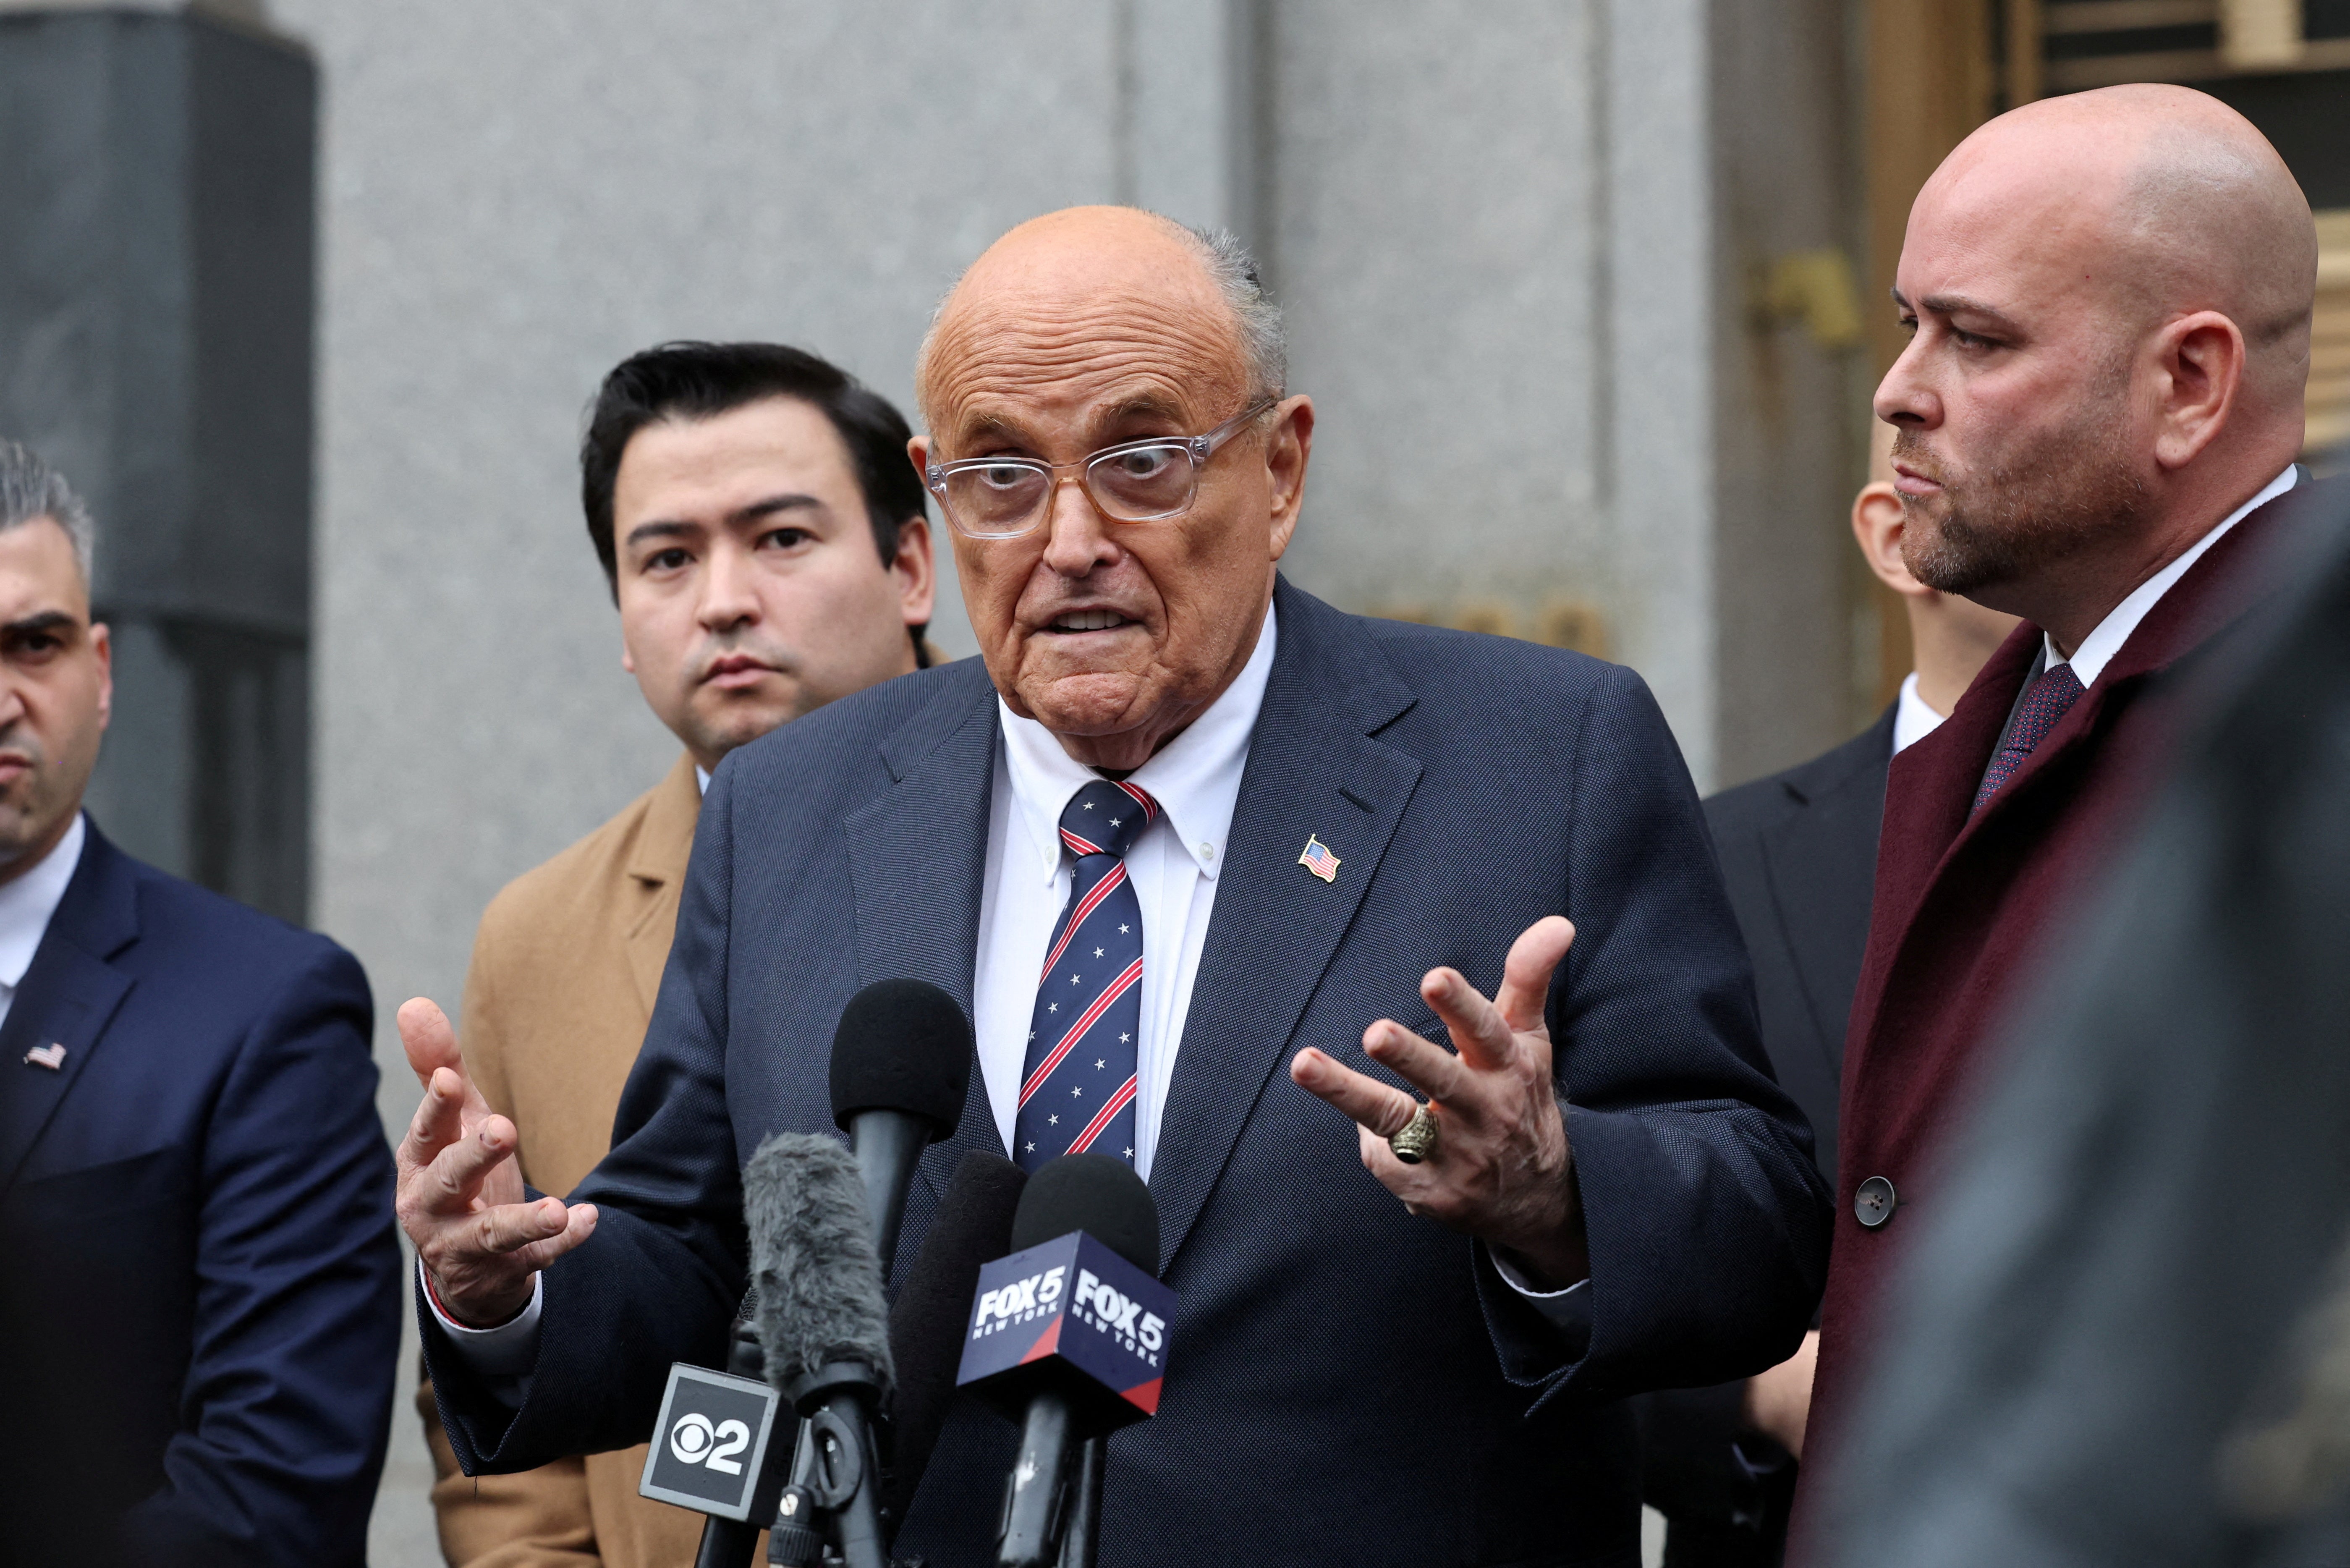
pixel 200 1280
pixel 1345 1383
pixel 1799 859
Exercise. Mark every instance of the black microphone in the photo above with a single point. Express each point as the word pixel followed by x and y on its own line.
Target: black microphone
pixel 825 1331
pixel 900 1065
pixel 972 1228
pixel 1068 1334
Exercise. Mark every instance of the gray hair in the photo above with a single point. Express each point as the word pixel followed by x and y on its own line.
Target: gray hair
pixel 31 490
pixel 1238 280
pixel 1241 283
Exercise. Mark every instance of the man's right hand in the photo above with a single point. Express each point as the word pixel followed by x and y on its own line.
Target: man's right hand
pixel 461 1196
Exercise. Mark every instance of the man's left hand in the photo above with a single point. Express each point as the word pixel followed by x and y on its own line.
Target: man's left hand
pixel 1500 1169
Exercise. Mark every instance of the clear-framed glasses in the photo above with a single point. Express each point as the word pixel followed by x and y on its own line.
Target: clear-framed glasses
pixel 1146 481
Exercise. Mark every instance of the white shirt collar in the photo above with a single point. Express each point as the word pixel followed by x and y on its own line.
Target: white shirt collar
pixel 2097 648
pixel 1913 720
pixel 1195 778
pixel 27 902
pixel 702 778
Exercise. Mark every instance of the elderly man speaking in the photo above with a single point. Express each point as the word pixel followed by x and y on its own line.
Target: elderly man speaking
pixel 1352 841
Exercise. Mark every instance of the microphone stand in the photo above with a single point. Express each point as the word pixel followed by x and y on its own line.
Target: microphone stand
pixel 729 1542
pixel 835 1494
pixel 1081 1536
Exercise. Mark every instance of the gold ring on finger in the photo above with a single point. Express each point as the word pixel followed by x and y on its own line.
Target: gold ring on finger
pixel 1416 1139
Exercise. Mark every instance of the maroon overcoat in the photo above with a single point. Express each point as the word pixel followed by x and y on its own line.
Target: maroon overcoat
pixel 1965 909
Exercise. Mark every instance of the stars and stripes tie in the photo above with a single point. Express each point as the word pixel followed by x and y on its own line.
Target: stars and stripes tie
pixel 1076 1085
pixel 2046 701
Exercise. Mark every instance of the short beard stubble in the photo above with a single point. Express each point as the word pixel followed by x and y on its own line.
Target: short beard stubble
pixel 2034 503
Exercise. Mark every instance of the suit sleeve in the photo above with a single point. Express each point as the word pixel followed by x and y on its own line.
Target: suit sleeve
pixel 540 1518
pixel 660 1280
pixel 1706 1217
pixel 296 1343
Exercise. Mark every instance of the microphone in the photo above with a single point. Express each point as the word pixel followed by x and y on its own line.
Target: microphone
pixel 900 1065
pixel 825 1328
pixel 1068 1336
pixel 972 1228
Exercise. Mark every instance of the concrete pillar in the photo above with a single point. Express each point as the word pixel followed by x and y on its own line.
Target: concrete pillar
pixel 156 309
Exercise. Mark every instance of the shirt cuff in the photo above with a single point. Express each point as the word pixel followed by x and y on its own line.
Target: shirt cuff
pixel 1567 1309
pixel 509 1350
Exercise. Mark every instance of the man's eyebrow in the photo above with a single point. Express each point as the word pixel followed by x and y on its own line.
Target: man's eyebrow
pixel 991 428
pixel 790 502
pixel 660 529
pixel 1145 405
pixel 37 623
pixel 1140 405
pixel 1959 305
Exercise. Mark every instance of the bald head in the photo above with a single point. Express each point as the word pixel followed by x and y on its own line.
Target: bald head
pixel 2110 295
pixel 2162 197
pixel 1082 262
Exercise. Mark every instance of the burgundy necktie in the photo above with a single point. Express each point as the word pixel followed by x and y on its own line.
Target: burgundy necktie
pixel 2046 701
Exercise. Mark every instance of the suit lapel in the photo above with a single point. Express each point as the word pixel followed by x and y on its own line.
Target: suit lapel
pixel 1821 863
pixel 657 863
pixel 917 859
pixel 1313 771
pixel 68 995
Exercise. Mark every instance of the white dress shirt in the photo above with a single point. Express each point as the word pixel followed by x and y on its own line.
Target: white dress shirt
pixel 1913 720
pixel 1196 780
pixel 25 904
pixel 2097 648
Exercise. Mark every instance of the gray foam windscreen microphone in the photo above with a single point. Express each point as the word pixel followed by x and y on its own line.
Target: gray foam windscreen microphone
pixel 812 1259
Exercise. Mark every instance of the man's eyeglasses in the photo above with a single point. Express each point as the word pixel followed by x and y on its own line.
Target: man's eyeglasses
pixel 1144 481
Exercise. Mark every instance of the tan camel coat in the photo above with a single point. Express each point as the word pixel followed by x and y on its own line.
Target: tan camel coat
pixel 566 965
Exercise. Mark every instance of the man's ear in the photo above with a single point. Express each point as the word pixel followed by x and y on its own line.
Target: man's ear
pixel 102 645
pixel 916 570
pixel 1878 523
pixel 1287 446
pixel 2199 371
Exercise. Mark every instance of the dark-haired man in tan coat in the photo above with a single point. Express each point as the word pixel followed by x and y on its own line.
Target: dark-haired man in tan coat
pixel 765 542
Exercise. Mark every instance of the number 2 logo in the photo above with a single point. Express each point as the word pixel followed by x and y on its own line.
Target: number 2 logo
pixel 694 1442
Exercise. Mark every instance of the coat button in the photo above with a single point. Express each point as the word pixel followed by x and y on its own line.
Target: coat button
pixel 1874 1204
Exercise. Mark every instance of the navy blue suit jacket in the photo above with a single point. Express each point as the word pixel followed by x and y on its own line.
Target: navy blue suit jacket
pixel 202 1296
pixel 1345 1383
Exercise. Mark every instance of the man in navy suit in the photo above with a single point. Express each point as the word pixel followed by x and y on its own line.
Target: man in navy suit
pixel 199 1277
pixel 1181 836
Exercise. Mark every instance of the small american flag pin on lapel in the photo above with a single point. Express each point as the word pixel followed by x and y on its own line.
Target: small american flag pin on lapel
pixel 52 1057
pixel 1316 858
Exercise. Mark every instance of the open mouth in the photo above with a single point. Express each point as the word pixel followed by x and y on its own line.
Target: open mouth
pixel 1089 621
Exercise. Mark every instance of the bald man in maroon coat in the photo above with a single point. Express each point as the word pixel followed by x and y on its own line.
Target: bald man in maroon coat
pixel 2098 416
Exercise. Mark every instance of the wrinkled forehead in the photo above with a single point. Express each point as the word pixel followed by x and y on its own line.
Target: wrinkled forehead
pixel 1060 356
pixel 2025 236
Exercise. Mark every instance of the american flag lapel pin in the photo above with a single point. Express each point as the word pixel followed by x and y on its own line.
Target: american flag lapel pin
pixel 52 1057
pixel 1316 858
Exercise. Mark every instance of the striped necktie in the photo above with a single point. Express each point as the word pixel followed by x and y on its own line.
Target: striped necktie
pixel 1078 1082
pixel 2045 700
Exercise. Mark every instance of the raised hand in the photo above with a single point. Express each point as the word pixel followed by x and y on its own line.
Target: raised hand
pixel 1500 1169
pixel 461 1196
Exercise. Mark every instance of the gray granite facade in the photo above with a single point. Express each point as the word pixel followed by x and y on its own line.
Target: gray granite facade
pixel 1519 241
